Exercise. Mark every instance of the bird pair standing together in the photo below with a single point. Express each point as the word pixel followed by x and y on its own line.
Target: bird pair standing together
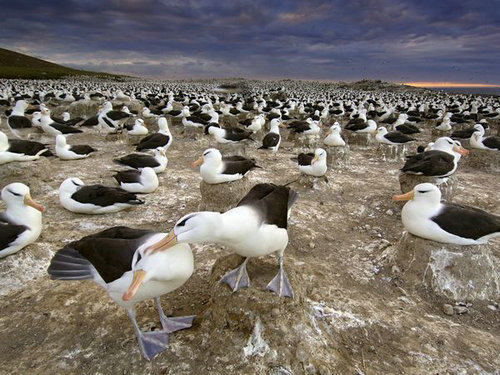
pixel 134 265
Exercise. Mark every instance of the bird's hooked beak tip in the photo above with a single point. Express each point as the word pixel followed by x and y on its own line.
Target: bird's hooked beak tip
pixel 403 197
pixel 197 162
pixel 137 280
pixel 30 202
pixel 462 151
pixel 167 242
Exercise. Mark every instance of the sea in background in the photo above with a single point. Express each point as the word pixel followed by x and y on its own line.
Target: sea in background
pixel 469 90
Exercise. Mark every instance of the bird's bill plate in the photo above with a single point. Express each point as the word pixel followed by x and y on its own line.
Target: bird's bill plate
pixel 403 197
pixel 30 202
pixel 137 280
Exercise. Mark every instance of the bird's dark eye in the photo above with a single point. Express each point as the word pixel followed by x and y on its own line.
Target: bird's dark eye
pixel 183 222
pixel 206 153
pixel 16 194
pixel 423 191
pixel 75 183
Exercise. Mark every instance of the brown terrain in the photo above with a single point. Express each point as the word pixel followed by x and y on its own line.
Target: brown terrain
pixel 354 312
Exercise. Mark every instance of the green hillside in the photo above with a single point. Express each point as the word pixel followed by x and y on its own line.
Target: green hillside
pixel 18 65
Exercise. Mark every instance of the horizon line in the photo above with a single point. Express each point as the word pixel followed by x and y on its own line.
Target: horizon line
pixel 448 84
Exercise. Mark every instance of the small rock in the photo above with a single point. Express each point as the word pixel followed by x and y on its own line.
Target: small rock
pixel 312 245
pixel 492 307
pixel 395 269
pixel 461 310
pixel 310 369
pixel 275 312
pixel 448 309
pixel 389 212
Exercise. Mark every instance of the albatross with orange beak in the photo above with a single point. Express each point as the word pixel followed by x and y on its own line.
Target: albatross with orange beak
pixel 115 260
pixel 424 215
pixel 441 161
pixel 21 222
pixel 257 226
pixel 313 164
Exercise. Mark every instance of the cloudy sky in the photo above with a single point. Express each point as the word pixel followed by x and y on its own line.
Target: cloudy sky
pixel 394 40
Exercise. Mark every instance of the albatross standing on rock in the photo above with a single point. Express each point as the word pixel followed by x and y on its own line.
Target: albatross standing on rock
pixel 256 227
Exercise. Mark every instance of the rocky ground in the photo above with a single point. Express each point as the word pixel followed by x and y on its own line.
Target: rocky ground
pixel 353 311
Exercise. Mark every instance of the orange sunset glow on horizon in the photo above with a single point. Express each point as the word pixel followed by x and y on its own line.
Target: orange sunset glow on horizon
pixel 447 84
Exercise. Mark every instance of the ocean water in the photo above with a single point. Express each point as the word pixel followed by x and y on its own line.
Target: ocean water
pixel 470 90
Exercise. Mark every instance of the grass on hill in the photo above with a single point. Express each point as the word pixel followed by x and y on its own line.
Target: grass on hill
pixel 17 65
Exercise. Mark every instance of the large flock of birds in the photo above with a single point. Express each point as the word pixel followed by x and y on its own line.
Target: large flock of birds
pixel 133 265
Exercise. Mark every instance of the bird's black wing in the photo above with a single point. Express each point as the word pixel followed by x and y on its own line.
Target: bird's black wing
pixel 429 163
pixel 270 140
pixel 9 233
pixel 20 146
pixel 128 177
pixel 82 149
pixel 153 141
pixel 65 129
pixel 19 122
pixel 103 196
pixel 238 166
pixel 398 137
pixel 305 159
pixel 492 142
pixel 109 252
pixel 117 115
pixel 138 161
pixel 466 222
pixel 91 121
pixel 272 202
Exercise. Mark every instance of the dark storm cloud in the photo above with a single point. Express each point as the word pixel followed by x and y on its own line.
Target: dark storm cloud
pixel 388 39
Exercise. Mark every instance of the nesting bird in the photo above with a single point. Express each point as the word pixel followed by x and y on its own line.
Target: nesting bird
pixel 272 140
pixel 71 152
pixel 21 222
pixel 142 181
pixel 424 215
pixel 77 197
pixel 441 161
pixel 313 164
pixel 158 161
pixel 478 140
pixel 20 150
pixel 333 137
pixel 161 139
pixel 216 169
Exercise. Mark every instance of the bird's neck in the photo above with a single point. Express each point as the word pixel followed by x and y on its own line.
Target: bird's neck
pixel 24 215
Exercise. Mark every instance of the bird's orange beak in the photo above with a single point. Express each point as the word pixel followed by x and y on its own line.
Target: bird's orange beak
pixel 30 202
pixel 196 163
pixel 137 280
pixel 403 197
pixel 167 242
pixel 462 151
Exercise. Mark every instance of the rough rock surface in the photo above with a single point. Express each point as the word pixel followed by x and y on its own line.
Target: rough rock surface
pixel 461 273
